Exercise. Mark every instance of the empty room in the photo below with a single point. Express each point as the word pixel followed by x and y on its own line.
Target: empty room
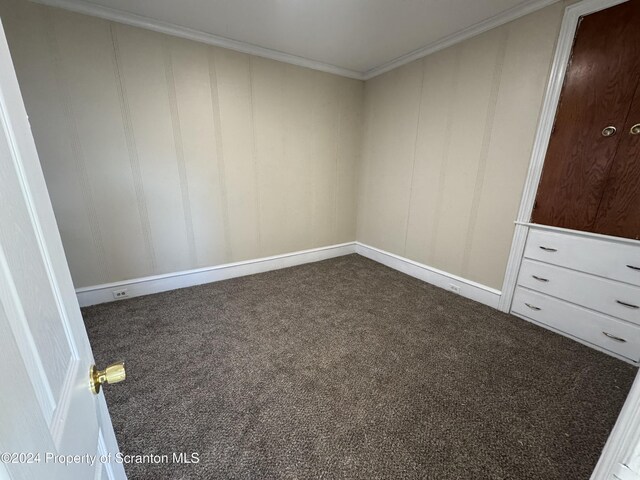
pixel 300 239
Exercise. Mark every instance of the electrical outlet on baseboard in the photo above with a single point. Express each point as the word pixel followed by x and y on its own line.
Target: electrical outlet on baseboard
pixel 118 294
pixel 454 288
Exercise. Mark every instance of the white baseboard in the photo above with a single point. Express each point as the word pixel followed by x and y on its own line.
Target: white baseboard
pixel 161 283
pixel 171 281
pixel 468 288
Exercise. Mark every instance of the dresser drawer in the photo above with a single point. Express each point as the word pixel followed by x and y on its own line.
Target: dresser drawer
pixel 607 296
pixel 607 258
pixel 609 333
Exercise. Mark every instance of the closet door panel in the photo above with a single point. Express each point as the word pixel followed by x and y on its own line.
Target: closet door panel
pixel 598 88
pixel 619 212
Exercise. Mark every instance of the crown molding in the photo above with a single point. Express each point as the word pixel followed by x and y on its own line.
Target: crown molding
pixel 507 16
pixel 120 16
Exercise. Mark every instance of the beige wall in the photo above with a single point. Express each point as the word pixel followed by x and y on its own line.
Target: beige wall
pixel 162 154
pixel 446 148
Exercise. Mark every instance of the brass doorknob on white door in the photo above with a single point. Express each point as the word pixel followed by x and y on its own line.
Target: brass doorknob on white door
pixel 114 373
pixel 608 131
pixel 635 130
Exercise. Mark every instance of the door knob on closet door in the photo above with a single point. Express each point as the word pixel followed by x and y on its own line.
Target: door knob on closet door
pixel 609 131
pixel 635 130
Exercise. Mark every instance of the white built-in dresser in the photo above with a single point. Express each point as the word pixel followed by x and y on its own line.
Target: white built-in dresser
pixel 584 285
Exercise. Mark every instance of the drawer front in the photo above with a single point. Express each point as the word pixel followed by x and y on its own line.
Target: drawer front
pixel 606 258
pixel 614 335
pixel 607 296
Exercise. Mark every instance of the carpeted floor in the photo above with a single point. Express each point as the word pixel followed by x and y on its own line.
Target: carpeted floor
pixel 347 369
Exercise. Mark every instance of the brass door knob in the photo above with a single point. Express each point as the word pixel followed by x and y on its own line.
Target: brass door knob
pixel 112 374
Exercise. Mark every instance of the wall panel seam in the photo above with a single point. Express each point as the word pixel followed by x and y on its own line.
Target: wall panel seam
pixel 364 171
pixel 254 152
pixel 362 167
pixel 334 235
pixel 217 125
pixel 78 153
pixel 448 135
pixel 415 151
pixel 132 149
pixel 179 150
pixel 284 106
pixel 311 225
pixel 484 150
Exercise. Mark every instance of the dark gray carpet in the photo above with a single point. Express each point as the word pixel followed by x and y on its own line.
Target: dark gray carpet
pixel 348 369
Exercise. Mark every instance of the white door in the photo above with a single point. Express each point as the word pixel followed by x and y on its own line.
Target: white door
pixel 47 411
pixel 620 459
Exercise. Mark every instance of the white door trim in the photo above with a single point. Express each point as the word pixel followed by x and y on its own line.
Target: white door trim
pixel 570 21
pixel 619 459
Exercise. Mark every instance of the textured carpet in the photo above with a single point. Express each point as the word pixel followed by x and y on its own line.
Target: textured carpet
pixel 348 369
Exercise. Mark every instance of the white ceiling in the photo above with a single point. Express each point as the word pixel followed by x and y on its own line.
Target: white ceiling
pixel 359 37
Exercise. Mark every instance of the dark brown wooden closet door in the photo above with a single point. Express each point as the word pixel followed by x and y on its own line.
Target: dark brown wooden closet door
pixel 598 88
pixel 619 212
